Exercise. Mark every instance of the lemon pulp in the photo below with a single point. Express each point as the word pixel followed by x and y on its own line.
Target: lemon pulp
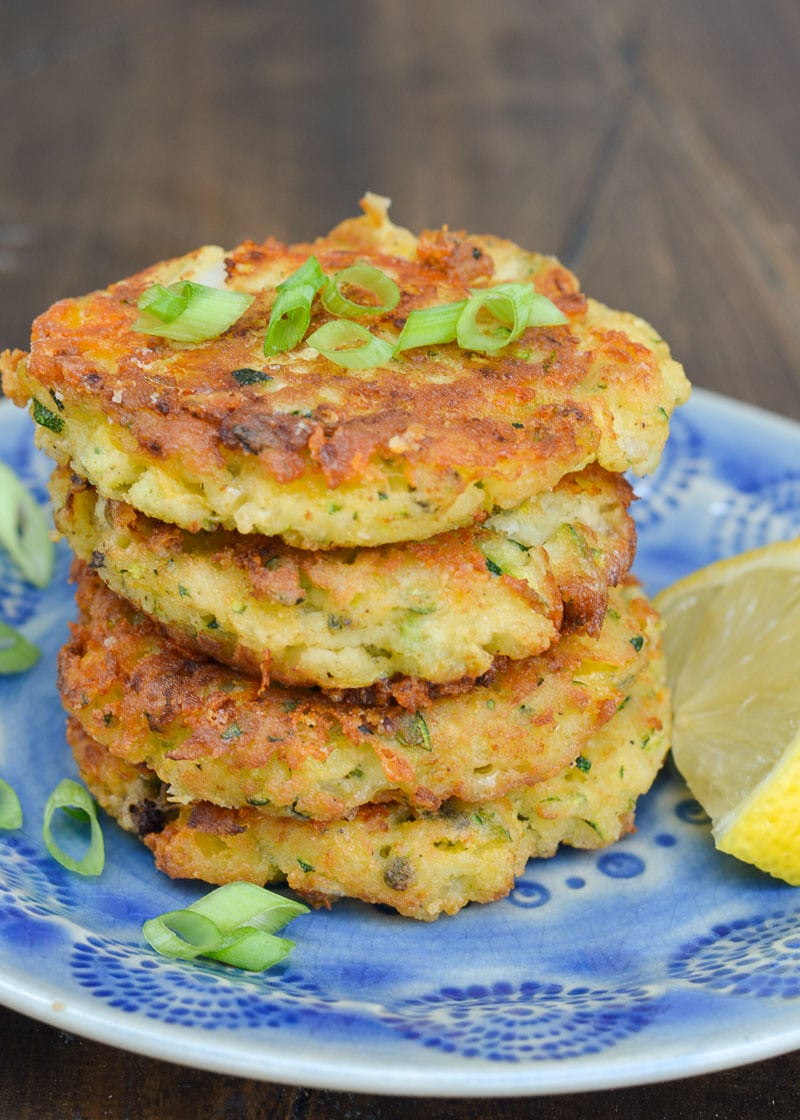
pixel 733 655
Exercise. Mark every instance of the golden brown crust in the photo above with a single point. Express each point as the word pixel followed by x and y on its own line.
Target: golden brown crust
pixel 397 618
pixel 444 432
pixel 214 735
pixel 422 864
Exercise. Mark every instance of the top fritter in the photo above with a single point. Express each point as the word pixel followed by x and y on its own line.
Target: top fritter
pixel 293 443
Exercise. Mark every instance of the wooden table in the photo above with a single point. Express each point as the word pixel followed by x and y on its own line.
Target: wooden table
pixel 652 146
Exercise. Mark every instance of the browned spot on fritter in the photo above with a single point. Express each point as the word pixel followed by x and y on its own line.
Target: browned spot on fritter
pixel 213 820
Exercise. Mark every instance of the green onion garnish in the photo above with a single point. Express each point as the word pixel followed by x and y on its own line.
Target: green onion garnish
pixel 367 277
pixel 189 312
pixel 167 304
pixel 351 345
pixel 251 949
pixel 182 935
pixel 17 654
pixel 309 272
pixel 289 319
pixel 430 326
pixel 489 320
pixel 291 311
pixel 77 803
pixel 494 317
pixel 234 924
pixel 23 530
pixel 244 904
pixel 544 313
pixel 10 807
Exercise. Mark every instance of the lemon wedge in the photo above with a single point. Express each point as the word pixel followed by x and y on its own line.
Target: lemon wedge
pixel 733 656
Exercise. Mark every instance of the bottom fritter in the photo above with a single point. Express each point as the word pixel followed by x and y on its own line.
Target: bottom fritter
pixel 422 864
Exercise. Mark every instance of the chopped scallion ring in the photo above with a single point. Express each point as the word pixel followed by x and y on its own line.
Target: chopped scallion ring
pixel 234 924
pixel 165 303
pixel 350 345
pixel 494 317
pixel 182 935
pixel 309 272
pixel 366 276
pixel 252 949
pixel 488 321
pixel 10 807
pixel 17 654
pixel 189 312
pixel 239 904
pixel 23 530
pixel 544 313
pixel 77 803
pixel 245 904
pixel 430 326
pixel 291 311
pixel 289 319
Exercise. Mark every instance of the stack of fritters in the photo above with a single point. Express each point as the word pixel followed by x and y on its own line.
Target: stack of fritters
pixel 370 632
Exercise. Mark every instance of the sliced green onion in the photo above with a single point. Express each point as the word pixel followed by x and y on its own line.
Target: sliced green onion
pixel 189 312
pixel 488 321
pixel 291 311
pixel 17 654
pixel 23 530
pixel 182 935
pixel 245 904
pixel 544 313
pixel 10 807
pixel 350 345
pixel 371 279
pixel 78 803
pixel 253 950
pixel 289 319
pixel 494 317
pixel 165 303
pixel 430 326
pixel 309 272
pixel 234 924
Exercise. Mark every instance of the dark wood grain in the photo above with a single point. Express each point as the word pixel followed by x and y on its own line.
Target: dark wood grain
pixel 653 146
pixel 46 1073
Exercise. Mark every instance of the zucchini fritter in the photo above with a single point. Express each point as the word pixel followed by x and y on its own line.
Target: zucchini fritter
pixel 439 610
pixel 422 865
pixel 326 456
pixel 213 734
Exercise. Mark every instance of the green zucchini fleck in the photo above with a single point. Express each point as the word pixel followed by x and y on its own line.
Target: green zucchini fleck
pixel 46 418
pixel 415 732
pixel 247 376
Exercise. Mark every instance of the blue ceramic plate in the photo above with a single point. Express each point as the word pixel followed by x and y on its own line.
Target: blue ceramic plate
pixel 656 959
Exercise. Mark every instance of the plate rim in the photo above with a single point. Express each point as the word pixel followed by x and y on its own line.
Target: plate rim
pixel 136 1034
